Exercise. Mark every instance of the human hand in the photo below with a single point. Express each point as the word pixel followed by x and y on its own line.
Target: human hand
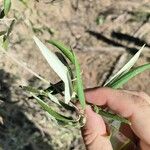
pixel 132 105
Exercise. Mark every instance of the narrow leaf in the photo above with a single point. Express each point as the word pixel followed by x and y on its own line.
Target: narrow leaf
pixel 80 91
pixel 33 90
pixel 53 98
pixel 110 115
pixel 127 76
pixel 41 93
pixel 2 32
pixel 7 5
pixel 56 88
pixel 126 67
pixel 57 66
pixel 53 113
pixel 67 107
pixel 10 28
pixel 2 14
pixel 65 50
pixel 5 42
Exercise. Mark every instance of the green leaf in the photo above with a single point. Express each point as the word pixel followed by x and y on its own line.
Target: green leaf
pixel 100 20
pixel 24 2
pixel 2 14
pixel 47 94
pixel 33 90
pixel 126 67
pixel 106 114
pixel 67 107
pixel 56 88
pixel 41 93
pixel 7 5
pixel 58 67
pixel 5 42
pixel 53 98
pixel 2 32
pixel 80 91
pixel 127 76
pixel 10 28
pixel 53 113
pixel 53 89
pixel 6 35
pixel 65 50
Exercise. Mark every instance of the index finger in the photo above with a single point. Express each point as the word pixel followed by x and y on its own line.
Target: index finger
pixel 128 105
pixel 118 100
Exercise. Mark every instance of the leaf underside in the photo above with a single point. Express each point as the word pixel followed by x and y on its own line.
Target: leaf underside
pixel 129 75
pixel 60 69
pixel 126 67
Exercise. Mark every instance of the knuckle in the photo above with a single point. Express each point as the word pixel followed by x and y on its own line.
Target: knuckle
pixel 89 137
pixel 142 94
pixel 138 100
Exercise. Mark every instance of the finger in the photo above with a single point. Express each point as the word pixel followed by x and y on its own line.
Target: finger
pixel 144 146
pixel 118 100
pixel 140 94
pixel 128 105
pixel 94 132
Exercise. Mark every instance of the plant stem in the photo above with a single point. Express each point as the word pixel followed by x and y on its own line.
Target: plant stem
pixel 106 114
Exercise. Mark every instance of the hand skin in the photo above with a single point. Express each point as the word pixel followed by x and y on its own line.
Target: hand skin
pixel 132 105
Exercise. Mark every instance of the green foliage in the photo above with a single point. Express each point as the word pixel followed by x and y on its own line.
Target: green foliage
pixel 2 14
pixel 100 20
pixel 127 76
pixel 3 33
pixel 53 113
pixel 112 116
pixel 71 83
pixel 140 16
pixel 6 35
pixel 10 28
pixel 118 80
pixel 57 66
pixel 80 92
pixel 5 42
pixel 126 67
pixel 24 2
pixel 72 57
pixel 7 5
pixel 65 50
pixel 67 85
pixel 71 88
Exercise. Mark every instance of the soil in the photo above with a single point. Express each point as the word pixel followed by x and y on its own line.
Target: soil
pixel 103 33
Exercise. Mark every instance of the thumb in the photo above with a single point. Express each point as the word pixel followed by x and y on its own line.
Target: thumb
pixel 94 132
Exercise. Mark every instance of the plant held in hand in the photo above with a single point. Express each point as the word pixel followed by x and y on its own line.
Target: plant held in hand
pixel 71 83
pixel 70 87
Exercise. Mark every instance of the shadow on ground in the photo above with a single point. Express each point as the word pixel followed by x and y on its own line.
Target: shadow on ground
pixel 120 37
pixel 17 132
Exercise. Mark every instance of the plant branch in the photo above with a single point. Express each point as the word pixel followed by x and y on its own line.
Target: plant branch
pixel 107 114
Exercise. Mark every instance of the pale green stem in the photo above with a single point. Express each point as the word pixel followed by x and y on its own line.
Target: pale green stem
pixel 103 113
